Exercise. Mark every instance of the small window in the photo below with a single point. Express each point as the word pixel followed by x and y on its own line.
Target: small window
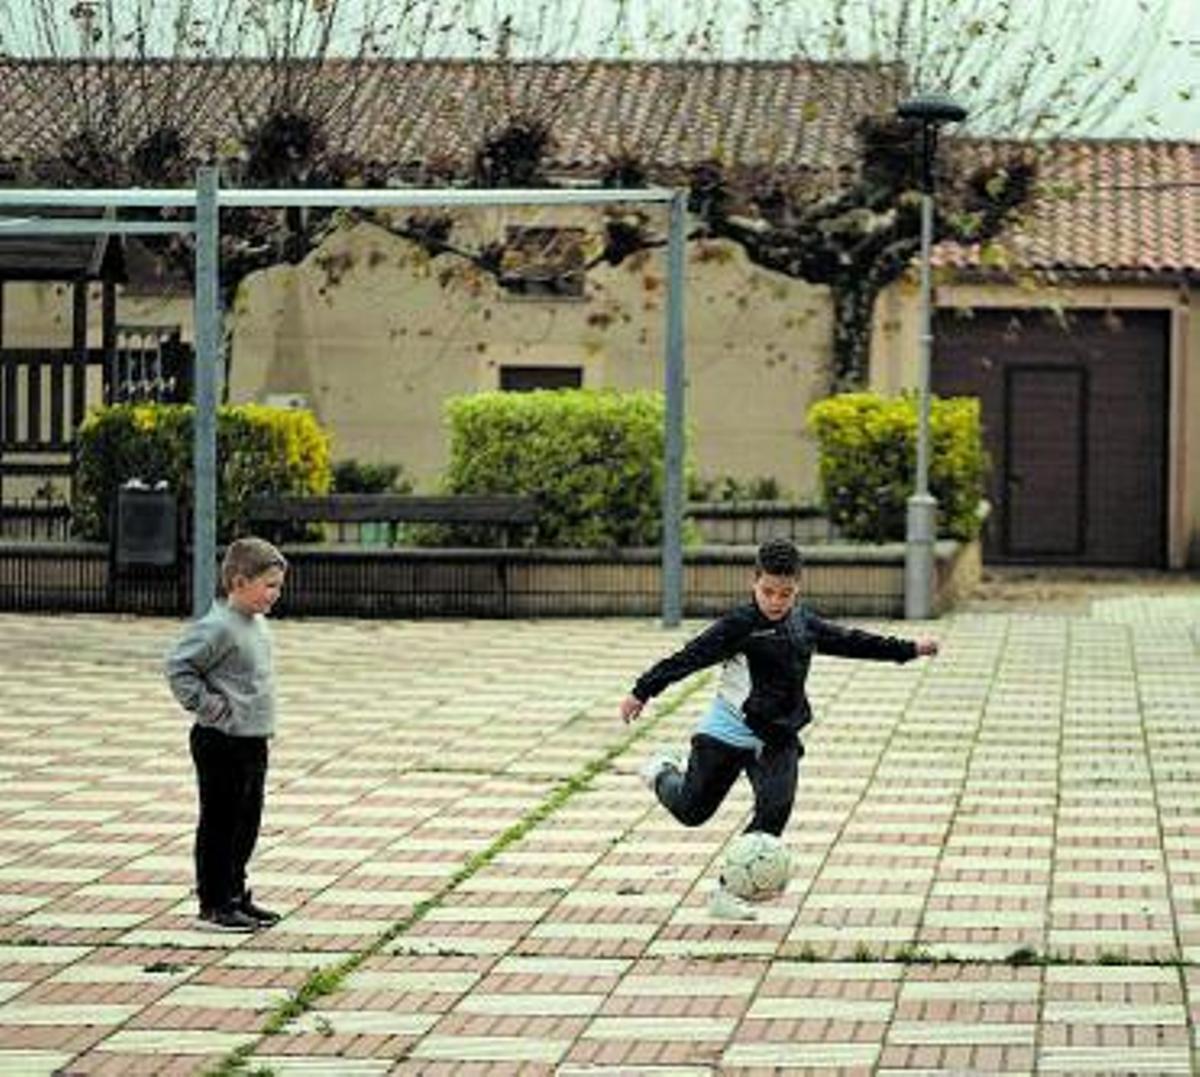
pixel 524 379
pixel 545 263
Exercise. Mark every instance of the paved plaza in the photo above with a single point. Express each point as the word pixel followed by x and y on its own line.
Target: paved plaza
pixel 997 859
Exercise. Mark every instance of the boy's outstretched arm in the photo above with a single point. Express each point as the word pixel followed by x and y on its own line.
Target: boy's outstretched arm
pixel 716 643
pixel 836 639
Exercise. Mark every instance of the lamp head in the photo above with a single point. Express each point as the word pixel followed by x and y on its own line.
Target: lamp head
pixel 931 108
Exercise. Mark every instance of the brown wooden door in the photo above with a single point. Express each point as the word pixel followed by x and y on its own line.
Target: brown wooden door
pixel 1045 466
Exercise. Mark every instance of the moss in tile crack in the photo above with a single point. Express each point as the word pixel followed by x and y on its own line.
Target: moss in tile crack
pixel 920 955
pixel 324 981
pixel 1023 955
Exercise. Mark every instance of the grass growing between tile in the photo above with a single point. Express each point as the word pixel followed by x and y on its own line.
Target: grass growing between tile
pixel 325 981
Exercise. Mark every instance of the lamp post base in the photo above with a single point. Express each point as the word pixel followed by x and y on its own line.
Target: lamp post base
pixel 918 557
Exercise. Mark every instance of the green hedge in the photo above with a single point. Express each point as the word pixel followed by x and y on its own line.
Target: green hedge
pixel 593 459
pixel 260 450
pixel 868 449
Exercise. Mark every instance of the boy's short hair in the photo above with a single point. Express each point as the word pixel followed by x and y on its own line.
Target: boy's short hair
pixel 778 557
pixel 249 558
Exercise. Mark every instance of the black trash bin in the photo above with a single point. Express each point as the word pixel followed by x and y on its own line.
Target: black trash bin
pixel 146 529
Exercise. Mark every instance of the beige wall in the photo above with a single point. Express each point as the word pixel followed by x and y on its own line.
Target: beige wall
pixel 377 351
pixel 373 337
pixel 894 367
pixel 39 315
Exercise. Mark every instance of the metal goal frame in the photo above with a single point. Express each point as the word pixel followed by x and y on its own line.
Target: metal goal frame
pixel 208 198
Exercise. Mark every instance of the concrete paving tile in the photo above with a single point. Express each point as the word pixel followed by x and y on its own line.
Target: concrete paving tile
pixel 816 900
pixel 183 936
pixel 19 1014
pixel 703 1029
pixel 618 932
pixel 978 946
pixel 1101 1060
pixel 364 1022
pixel 587 968
pixel 698 982
pixel 14 906
pixel 984 990
pixel 833 873
pixel 172 1041
pixel 109 850
pixel 820 1009
pixel 996 918
pixel 16 1063
pixel 966 1032
pixel 353 896
pixel 960 862
pixel 512 1049
pixel 1110 1014
pixel 519 1004
pixel 818 1057
pixel 82 920
pixel 714 949
pixel 299 1066
pixel 11 988
pixel 258 999
pixel 494 884
pixel 412 981
pixel 443 945
pixel 15 837
pixel 484 914
pixel 950 890
pixel 93 973
pixel 30 871
pixel 18 955
pixel 591 1070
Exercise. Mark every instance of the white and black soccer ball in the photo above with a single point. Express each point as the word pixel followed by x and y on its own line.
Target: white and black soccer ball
pixel 757 866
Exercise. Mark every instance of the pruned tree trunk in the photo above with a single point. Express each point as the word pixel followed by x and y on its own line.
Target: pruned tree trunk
pixel 853 298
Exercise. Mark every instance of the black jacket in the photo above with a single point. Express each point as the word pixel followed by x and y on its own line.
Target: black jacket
pixel 776 656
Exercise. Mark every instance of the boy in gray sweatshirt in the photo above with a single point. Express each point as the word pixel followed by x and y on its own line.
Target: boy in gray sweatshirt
pixel 221 671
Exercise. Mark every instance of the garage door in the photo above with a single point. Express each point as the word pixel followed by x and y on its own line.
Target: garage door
pixel 1074 416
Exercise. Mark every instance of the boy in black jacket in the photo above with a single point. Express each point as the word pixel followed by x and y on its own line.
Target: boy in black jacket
pixel 765 647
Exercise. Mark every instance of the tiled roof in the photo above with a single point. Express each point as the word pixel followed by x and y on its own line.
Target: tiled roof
pixel 1119 208
pixel 1115 207
pixel 674 113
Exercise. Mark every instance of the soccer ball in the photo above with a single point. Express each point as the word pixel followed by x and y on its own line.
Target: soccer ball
pixel 757 866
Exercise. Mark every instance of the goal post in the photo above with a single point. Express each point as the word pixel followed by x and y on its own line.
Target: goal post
pixel 208 198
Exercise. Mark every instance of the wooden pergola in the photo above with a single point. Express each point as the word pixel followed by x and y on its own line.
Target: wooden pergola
pixel 43 390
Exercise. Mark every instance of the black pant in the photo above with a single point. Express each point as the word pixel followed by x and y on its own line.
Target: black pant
pixel 231 775
pixel 714 766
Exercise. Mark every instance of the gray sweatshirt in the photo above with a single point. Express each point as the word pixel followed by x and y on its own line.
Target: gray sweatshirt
pixel 221 670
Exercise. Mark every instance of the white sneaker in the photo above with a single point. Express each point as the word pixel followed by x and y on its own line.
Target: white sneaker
pixel 726 906
pixel 657 763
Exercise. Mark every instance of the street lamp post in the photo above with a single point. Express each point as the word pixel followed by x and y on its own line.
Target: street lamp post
pixel 930 111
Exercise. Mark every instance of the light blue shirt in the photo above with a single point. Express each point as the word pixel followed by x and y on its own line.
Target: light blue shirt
pixel 724 722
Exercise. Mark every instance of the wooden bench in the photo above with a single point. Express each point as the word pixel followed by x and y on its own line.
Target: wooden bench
pixel 503 511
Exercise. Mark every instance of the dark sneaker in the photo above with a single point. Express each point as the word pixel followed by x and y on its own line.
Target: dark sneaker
pixel 262 917
pixel 230 918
